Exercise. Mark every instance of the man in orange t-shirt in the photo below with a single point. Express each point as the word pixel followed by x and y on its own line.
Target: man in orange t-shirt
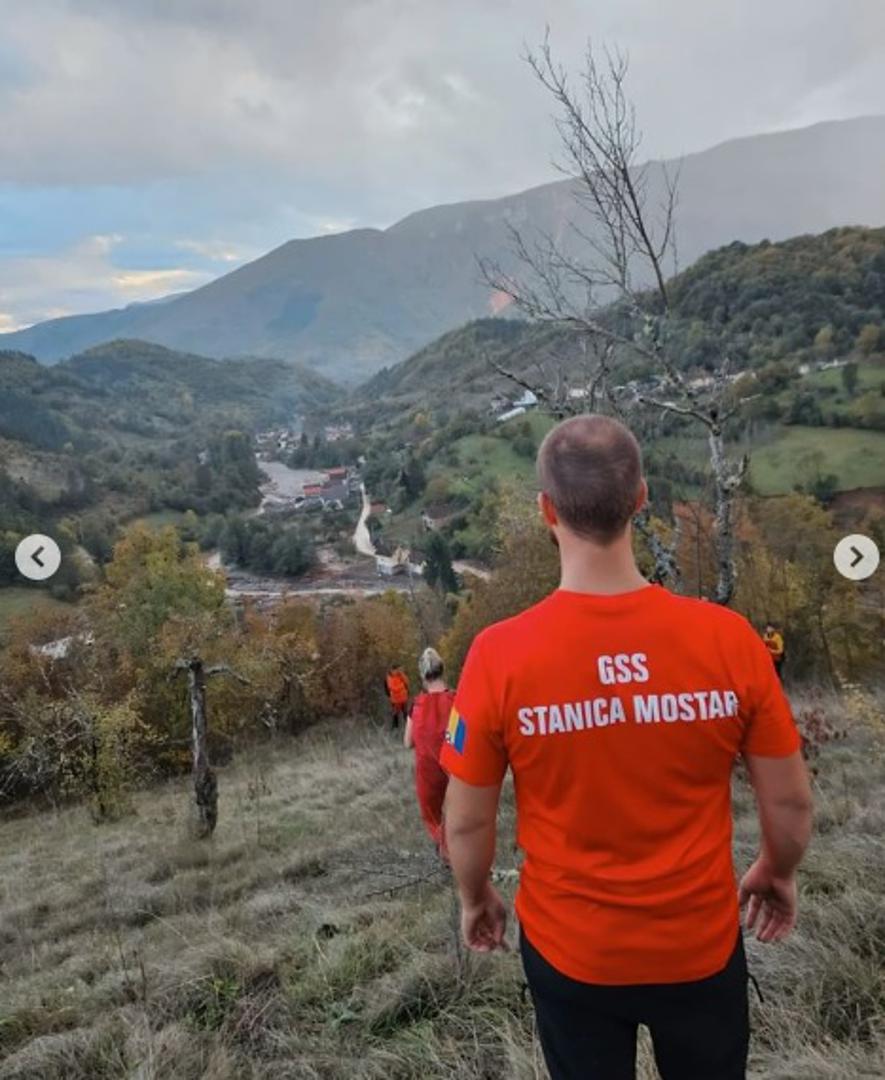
pixel 396 683
pixel 774 642
pixel 620 709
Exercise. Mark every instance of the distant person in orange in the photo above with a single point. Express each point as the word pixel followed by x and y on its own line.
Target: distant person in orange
pixel 397 686
pixel 620 709
pixel 774 642
pixel 425 733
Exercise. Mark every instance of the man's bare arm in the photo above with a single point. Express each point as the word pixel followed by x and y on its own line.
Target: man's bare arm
pixel 470 827
pixel 783 798
pixel 784 803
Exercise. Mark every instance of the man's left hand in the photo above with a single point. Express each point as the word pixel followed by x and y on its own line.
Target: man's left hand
pixel 483 923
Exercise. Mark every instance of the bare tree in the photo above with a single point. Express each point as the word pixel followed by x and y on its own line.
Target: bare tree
pixel 619 301
pixel 205 780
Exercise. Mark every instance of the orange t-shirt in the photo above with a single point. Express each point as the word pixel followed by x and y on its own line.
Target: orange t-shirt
pixel 397 687
pixel 621 718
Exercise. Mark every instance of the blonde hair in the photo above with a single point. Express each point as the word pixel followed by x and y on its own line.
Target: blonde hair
pixel 430 665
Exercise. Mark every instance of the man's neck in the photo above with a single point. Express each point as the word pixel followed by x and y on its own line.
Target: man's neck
pixel 591 568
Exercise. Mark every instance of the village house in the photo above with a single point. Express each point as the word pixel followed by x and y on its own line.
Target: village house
pixel 527 400
pixel 337 432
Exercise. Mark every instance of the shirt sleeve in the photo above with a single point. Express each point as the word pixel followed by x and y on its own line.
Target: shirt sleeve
pixel 474 749
pixel 771 730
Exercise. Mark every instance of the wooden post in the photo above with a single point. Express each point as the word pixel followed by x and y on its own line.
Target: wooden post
pixel 205 780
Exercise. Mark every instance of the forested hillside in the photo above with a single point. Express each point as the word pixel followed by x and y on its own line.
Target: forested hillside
pixel 800 324
pixel 132 388
pixel 808 299
pixel 127 429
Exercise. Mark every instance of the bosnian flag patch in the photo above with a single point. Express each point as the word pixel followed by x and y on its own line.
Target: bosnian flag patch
pixel 456 733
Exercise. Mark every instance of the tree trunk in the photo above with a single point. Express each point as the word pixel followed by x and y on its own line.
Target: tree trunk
pixel 724 484
pixel 205 781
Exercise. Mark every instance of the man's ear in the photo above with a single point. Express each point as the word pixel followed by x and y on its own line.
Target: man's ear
pixel 642 497
pixel 548 510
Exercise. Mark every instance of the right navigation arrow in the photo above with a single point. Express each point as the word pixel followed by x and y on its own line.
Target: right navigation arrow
pixel 856 557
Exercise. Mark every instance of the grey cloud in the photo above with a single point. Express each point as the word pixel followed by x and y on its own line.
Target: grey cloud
pixel 232 125
pixel 369 89
pixel 381 106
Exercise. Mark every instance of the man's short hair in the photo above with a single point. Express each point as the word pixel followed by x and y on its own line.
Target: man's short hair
pixel 590 467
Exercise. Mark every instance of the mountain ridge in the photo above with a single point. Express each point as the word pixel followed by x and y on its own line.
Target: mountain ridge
pixel 351 303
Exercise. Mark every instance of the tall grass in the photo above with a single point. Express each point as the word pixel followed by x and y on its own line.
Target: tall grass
pixel 313 937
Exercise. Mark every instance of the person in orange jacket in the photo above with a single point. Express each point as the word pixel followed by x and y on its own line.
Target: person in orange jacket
pixel 774 642
pixel 425 733
pixel 397 686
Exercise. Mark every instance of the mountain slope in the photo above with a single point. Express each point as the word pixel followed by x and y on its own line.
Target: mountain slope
pixel 353 303
pixel 755 303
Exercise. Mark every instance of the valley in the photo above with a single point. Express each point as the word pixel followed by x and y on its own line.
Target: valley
pixel 265 460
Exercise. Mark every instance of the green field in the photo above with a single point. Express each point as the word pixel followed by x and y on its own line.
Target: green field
pixel 828 386
pixel 856 458
pixel 869 377
pixel 484 457
pixel 795 456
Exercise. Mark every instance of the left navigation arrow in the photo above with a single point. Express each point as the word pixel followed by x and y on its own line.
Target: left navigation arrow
pixel 37 557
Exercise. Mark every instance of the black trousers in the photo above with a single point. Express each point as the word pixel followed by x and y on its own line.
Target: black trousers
pixel 700 1030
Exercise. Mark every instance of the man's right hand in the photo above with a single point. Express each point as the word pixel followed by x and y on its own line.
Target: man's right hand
pixel 771 902
pixel 483 923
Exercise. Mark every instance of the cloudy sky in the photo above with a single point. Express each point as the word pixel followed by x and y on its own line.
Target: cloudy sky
pixel 147 146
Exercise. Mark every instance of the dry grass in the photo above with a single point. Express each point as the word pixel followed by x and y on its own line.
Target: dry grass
pixel 313 937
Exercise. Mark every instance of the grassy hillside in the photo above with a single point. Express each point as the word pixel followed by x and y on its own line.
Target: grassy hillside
pixel 313 937
pixel 798 455
pixel 783 459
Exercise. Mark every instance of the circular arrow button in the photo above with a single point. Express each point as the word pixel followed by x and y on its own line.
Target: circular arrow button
pixel 856 557
pixel 37 557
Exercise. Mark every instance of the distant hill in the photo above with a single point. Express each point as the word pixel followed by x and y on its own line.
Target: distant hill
pixel 757 304
pixel 130 428
pixel 353 303
pixel 127 388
